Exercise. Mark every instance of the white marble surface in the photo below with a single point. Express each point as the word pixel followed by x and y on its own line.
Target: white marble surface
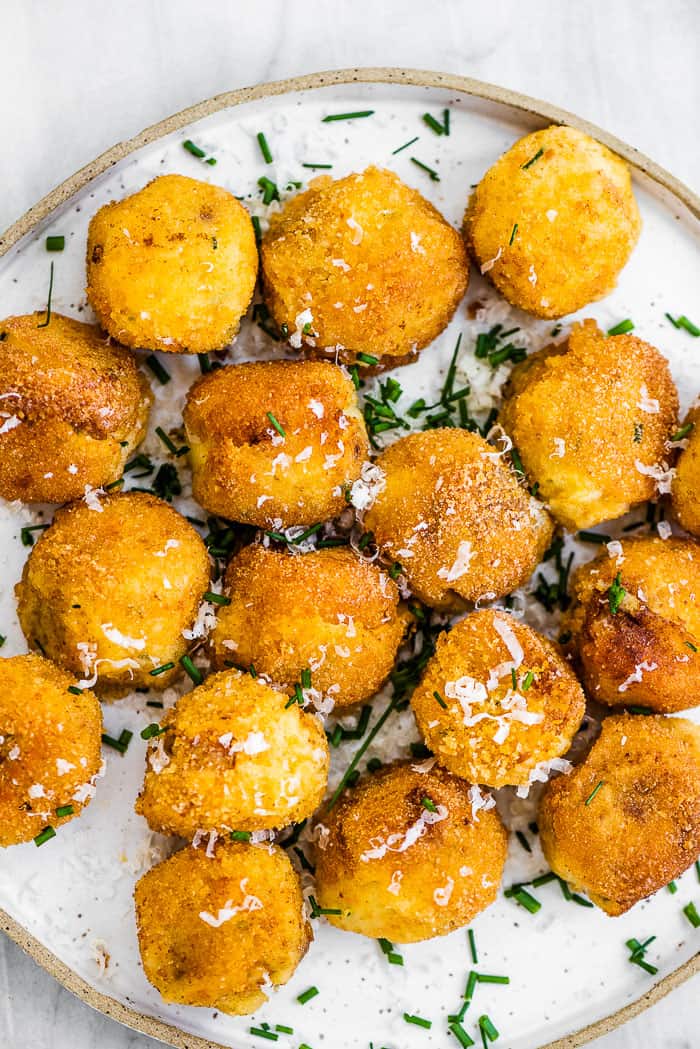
pixel 79 75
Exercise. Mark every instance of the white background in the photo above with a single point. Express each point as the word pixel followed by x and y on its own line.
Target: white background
pixel 78 75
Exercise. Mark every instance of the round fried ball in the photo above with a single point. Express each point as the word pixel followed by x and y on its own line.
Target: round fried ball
pixel 109 588
pixel 219 930
pixel 508 701
pixel 553 221
pixel 686 482
pixel 49 748
pixel 635 624
pixel 407 855
pixel 327 611
pixel 274 443
pixel 591 419
pixel 73 406
pixel 234 755
pixel 172 267
pixel 627 820
pixel 453 515
pixel 362 265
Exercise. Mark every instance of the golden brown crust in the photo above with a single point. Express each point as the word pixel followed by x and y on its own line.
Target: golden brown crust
pixel 116 584
pixel 448 491
pixel 686 482
pixel 369 264
pixel 641 827
pixel 328 610
pixel 585 417
pixel 73 406
pixel 233 756
pixel 512 730
pixel 576 217
pixel 245 470
pixel 400 871
pixel 49 747
pixel 224 966
pixel 646 653
pixel 173 266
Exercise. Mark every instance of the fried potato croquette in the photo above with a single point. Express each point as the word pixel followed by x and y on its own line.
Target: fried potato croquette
pixel 635 624
pixel 109 588
pixel 591 420
pixel 362 265
pixel 406 855
pixel 49 748
pixel 511 702
pixel 453 515
pixel 553 221
pixel 73 406
pixel 328 612
pixel 235 925
pixel 234 755
pixel 172 267
pixel 686 482
pixel 274 443
pixel 626 821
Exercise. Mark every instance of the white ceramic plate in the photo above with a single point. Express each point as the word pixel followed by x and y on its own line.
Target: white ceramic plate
pixel 71 900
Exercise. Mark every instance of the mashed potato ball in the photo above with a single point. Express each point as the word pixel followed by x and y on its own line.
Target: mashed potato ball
pixel 454 517
pixel 635 624
pixel 219 930
pixel 172 267
pixel 73 406
pixel 274 443
pixel 362 265
pixel 328 612
pixel 686 482
pixel 410 853
pixel 627 820
pixel 553 222
pixel 591 420
pixel 110 589
pixel 234 754
pixel 497 699
pixel 49 748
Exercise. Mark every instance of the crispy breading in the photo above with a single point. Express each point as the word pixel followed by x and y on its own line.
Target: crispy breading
pixel 233 755
pixel 686 482
pixel 626 821
pixel 73 406
pixel 553 221
pixel 108 589
pixel 397 869
pixel 362 264
pixel 488 731
pixel 591 420
pixel 218 930
pixel 173 266
pixel 49 747
pixel 244 469
pixel 455 518
pixel 644 649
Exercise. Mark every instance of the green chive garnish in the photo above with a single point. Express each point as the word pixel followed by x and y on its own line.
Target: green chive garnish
pixel 440 700
pixel 523 841
pixel 240 835
pixel 191 670
pixel 307 995
pixel 74 690
pixel 276 424
pixel 161 669
pixel 392 956
pixel 616 595
pixel 264 148
pixel 672 888
pixel 194 150
pixel 269 188
pixel 257 228
pixel 683 432
pixel 151 730
pixel 119 744
pixel 347 116
pixel 487 1028
pixel 513 234
pixel 593 793
pixel 64 810
pixel 424 167
pixel 593 537
pixel 435 125
pixel 685 324
pixel 404 146
pixel 622 328
pixel 429 804
pixel 262 1032
pixel 216 599
pixel 367 358
pixel 472 945
pixel 45 835
pixel 161 373
pixel 418 1021
pixel 318 167
pixel 691 913
pixel 45 324
pixel 532 160
pixel 460 1034
pixel 524 898
pixel 57 243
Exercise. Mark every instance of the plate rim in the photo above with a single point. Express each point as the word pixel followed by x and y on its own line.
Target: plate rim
pixel 60 971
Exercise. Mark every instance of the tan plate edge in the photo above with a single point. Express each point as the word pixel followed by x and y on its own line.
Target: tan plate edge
pixel 382 75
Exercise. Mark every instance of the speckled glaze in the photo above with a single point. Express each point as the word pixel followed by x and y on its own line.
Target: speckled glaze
pixel 69 903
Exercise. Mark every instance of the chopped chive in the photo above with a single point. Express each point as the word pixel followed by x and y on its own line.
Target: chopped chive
pixel 532 160
pixel 418 1021
pixel 74 690
pixel 616 595
pixel 487 1028
pixel 121 744
pixel 635 708
pixel 513 234
pixel 269 188
pixel 472 945
pixel 262 1032
pixel 593 537
pixel 683 432
pixel 161 669
pixel 424 167
pixel 672 888
pixel 435 125
pixel 308 533
pixel 685 324
pixel 169 444
pixel 318 167
pixel 593 793
pixel 347 116
pixel 460 1034
pixel 404 146
pixel 283 1029
pixel 205 365
pixel 276 424
pixel 45 835
pixel 395 570
pixel 26 533
pixel 190 669
pixel 264 148
pixel 429 804
pixel 513 678
pixel 622 328
pixel 64 810
pixel 691 913
pixel 45 324
pixel 523 841
pixel 240 835
pixel 307 995
pixel 367 358
pixel 317 911
pixel 487 978
pixel 155 703
pixel 691 646
pixel 697 869
pixel 525 899
pixel 440 700
pixel 257 228
pixel 472 981
pixel 527 681
pixel 161 373
pixel 152 730
pixel 216 599
pixel 56 243
pixel 3 639
pixel 189 145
